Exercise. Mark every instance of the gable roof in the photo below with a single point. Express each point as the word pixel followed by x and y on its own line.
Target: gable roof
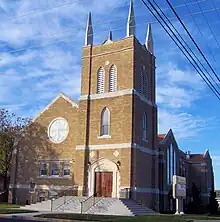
pixel 163 137
pixel 61 95
pixel 196 157
pixel 160 137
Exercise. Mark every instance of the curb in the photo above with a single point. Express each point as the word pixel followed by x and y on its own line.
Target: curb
pixel 43 219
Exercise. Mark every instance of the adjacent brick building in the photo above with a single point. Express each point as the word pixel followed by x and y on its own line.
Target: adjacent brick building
pixel 107 143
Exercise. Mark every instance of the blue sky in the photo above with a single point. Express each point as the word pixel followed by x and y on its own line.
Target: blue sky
pixel 51 61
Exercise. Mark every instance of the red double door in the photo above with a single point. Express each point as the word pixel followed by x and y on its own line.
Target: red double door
pixel 103 184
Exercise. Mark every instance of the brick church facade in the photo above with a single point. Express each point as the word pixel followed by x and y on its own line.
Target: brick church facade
pixel 107 144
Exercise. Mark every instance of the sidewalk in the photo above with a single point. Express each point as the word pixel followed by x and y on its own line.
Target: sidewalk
pixel 30 216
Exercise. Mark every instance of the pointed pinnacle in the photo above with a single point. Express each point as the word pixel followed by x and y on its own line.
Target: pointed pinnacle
pixel 131 20
pixel 110 35
pixel 149 40
pixel 89 31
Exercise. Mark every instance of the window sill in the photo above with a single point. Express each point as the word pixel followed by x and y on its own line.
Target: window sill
pixel 145 140
pixel 104 137
pixel 55 177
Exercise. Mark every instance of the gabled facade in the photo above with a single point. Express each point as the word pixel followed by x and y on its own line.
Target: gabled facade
pixel 197 168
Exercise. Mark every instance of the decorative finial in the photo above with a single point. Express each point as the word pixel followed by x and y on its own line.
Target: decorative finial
pixel 149 40
pixel 131 21
pixel 110 36
pixel 89 31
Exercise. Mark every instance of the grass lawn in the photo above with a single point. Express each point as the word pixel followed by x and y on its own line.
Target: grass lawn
pixel 7 205
pixel 149 218
pixel 6 208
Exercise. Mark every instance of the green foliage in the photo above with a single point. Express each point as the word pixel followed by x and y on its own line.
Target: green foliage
pixel 213 204
pixel 195 205
pixel 12 129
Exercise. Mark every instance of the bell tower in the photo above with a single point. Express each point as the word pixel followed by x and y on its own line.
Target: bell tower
pixel 117 121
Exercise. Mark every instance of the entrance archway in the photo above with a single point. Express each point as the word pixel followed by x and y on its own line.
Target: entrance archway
pixel 105 169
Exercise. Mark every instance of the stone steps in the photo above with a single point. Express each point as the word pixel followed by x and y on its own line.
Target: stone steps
pixel 104 206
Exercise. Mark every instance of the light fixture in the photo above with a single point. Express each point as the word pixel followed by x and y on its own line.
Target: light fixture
pixel 119 163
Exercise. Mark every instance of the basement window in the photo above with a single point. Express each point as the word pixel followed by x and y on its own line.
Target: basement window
pixel 44 169
pixel 66 170
pixel 55 170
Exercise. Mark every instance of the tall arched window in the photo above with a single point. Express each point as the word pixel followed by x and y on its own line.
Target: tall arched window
pixel 171 163
pixel 168 165
pixel 144 127
pixel 105 122
pixel 113 79
pixel 101 81
pixel 144 84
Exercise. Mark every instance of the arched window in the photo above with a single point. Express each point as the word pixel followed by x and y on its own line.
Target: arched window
pixel 171 163
pixel 144 84
pixel 113 79
pixel 144 127
pixel 101 81
pixel 168 165
pixel 105 122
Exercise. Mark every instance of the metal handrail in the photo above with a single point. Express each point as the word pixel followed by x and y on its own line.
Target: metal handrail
pixel 62 194
pixel 93 203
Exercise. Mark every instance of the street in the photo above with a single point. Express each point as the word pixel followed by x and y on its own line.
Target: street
pixel 4 219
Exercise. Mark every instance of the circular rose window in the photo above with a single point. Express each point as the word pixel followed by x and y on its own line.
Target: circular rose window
pixel 58 130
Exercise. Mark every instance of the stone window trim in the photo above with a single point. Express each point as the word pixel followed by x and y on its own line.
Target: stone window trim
pixel 104 137
pixel 66 131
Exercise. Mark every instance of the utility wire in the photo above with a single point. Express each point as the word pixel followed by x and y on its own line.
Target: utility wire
pixel 174 11
pixel 111 21
pixel 194 20
pixel 215 8
pixel 198 69
pixel 101 22
pixel 195 56
pixel 77 1
pixel 207 22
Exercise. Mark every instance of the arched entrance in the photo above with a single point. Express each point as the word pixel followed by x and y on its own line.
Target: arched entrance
pixel 104 178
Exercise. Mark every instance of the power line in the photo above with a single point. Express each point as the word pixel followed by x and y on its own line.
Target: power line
pixel 215 8
pixel 196 68
pixel 43 10
pixel 207 22
pixel 174 11
pixel 75 28
pixel 200 31
pixel 77 1
pixel 111 21
pixel 186 44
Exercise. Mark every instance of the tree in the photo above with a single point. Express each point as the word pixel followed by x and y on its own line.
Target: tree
pixel 12 129
pixel 194 205
pixel 213 203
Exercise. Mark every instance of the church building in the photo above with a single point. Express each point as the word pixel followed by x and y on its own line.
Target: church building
pixel 107 143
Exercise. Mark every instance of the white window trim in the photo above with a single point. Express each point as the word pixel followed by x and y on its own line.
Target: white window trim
pixel 104 137
pixel 109 123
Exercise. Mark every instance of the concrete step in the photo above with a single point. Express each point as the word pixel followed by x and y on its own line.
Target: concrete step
pixel 105 206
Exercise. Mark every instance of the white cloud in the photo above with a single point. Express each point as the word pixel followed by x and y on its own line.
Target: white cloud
pixel 178 88
pixel 184 125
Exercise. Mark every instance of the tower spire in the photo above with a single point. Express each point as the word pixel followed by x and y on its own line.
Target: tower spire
pixel 149 40
pixel 110 35
pixel 89 31
pixel 131 20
